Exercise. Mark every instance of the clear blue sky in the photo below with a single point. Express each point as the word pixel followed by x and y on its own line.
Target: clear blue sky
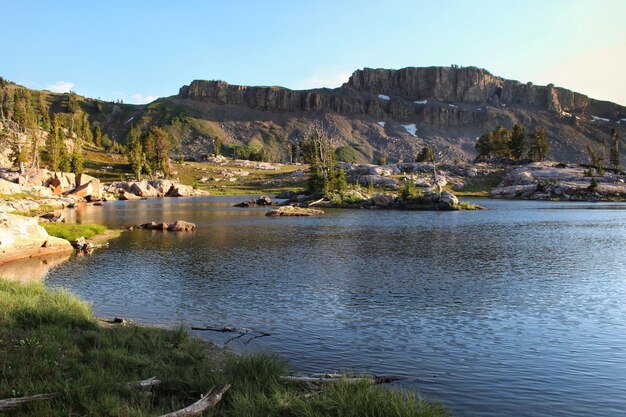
pixel 135 50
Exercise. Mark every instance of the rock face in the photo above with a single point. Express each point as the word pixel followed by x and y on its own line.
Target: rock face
pixel 400 95
pixel 22 237
pixel 443 106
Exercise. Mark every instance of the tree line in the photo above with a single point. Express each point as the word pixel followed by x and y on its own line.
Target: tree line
pixel 38 140
pixel 513 144
pixel 148 152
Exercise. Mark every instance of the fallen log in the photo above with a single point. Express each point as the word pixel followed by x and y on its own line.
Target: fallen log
pixel 330 378
pixel 11 403
pixel 146 383
pixel 195 409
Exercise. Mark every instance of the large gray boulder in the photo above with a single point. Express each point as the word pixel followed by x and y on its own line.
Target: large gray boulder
pixel 22 237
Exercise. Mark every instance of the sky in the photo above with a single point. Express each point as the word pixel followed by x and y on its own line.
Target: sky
pixel 139 50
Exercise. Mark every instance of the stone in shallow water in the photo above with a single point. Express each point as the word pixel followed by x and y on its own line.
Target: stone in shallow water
pixel 294 212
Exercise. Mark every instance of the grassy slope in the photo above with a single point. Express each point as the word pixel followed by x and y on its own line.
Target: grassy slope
pixel 114 167
pixel 70 231
pixel 50 342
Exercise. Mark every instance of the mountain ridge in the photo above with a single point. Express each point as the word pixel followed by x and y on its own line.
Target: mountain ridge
pixel 375 112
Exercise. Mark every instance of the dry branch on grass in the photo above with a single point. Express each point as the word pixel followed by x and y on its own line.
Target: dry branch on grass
pixel 11 403
pixel 195 409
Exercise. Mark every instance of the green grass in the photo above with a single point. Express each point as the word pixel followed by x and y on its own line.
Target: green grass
pixel 51 342
pixel 71 232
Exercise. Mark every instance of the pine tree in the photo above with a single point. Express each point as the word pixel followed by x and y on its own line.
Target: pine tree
pixel 134 152
pixel 217 147
pixel 77 160
pixel 426 155
pixel 97 136
pixel 52 154
pixel 85 129
pixel 162 149
pixel 64 158
pixel 518 142
pixel 539 145
pixel 616 160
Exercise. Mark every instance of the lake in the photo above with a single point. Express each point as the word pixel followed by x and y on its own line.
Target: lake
pixel 515 311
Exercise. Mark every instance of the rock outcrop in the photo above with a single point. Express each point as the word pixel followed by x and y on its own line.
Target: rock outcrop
pixel 557 181
pixel 134 190
pixel 22 237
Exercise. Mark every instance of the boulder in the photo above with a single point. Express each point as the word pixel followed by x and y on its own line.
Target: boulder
pixel 143 189
pixel 22 237
pixel 125 195
pixel 82 179
pixel 66 180
pixel 8 187
pixel 180 190
pixel 88 190
pixel 383 200
pixel 261 201
pixel 291 211
pixel 181 226
pixel 40 191
pixel 447 201
pixel 162 186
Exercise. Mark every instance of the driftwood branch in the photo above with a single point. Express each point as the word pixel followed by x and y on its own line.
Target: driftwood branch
pixel 330 378
pixel 255 334
pixel 313 203
pixel 11 403
pixel 195 409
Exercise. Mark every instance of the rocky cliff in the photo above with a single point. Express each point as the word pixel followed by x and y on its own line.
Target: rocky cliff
pixel 398 111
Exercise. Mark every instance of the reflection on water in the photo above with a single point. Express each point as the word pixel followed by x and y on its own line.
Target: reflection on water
pixel 513 311
pixel 32 269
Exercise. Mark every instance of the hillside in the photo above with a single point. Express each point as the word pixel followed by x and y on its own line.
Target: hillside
pixel 395 112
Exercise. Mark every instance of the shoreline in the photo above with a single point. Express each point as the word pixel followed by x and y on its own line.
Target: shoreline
pixel 86 363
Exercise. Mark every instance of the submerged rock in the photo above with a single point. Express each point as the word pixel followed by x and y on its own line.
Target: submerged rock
pixel 177 226
pixel 262 201
pixel 294 212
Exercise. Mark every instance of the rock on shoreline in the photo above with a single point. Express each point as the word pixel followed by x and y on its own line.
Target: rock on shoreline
pixel 22 237
pixel 558 181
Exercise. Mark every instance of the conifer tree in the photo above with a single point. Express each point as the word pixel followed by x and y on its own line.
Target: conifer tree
pixel 539 145
pixel 97 136
pixel 616 160
pixel 134 152
pixel 52 154
pixel 518 142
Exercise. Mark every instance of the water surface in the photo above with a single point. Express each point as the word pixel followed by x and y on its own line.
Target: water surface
pixel 518 310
